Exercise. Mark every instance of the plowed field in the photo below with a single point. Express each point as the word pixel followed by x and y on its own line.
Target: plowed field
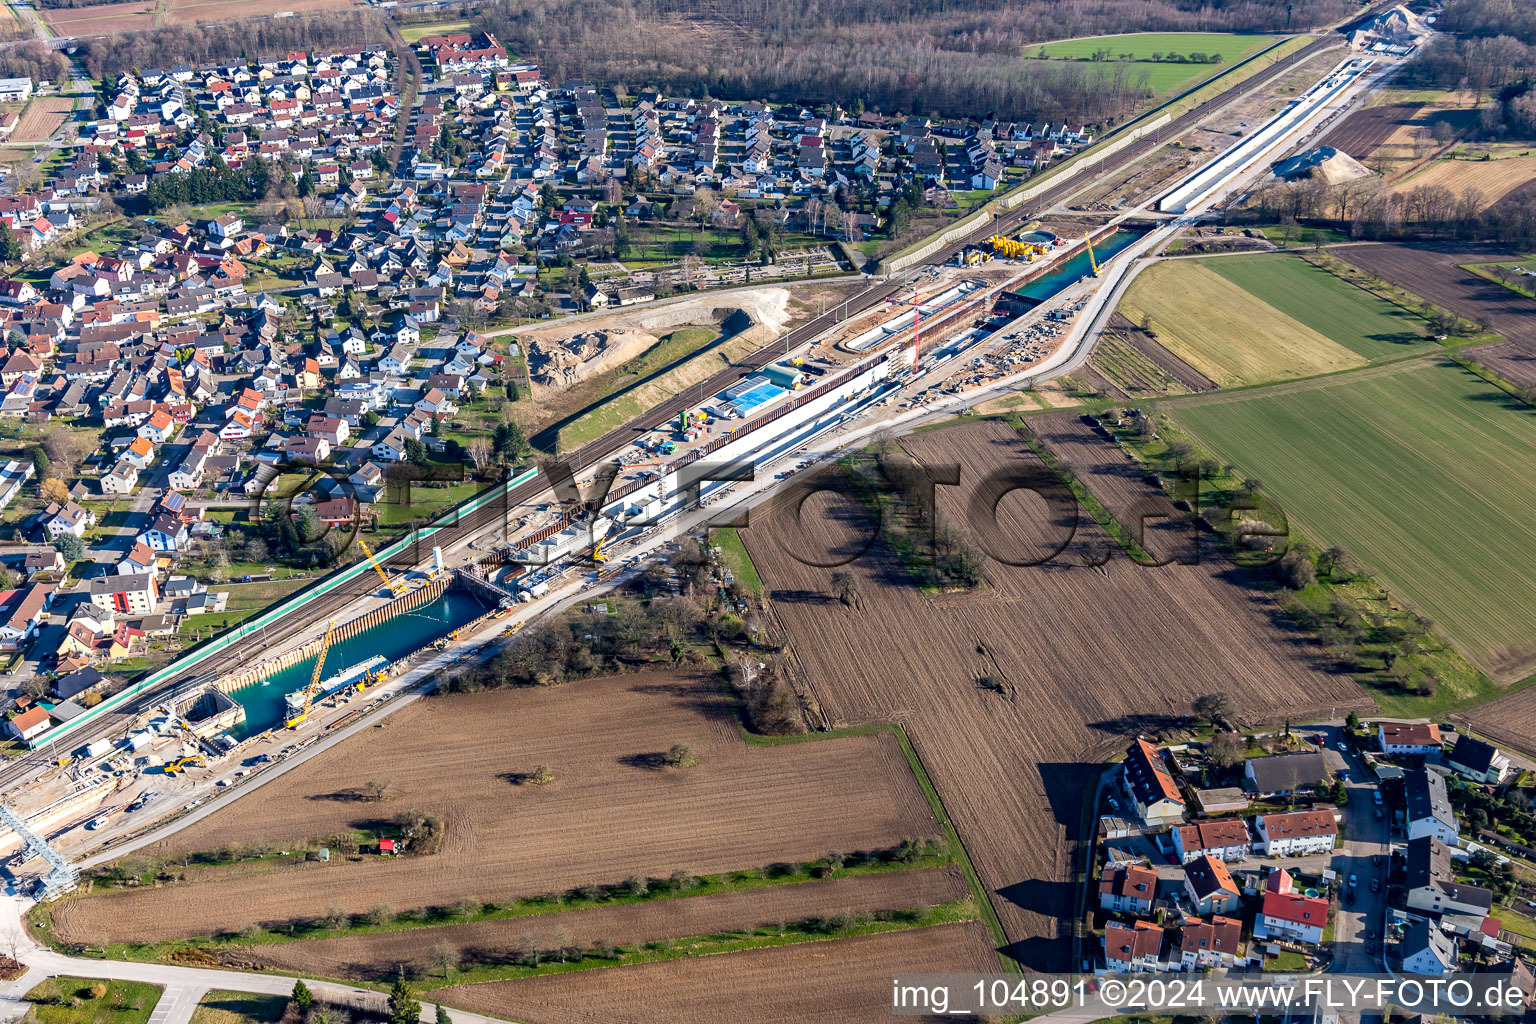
pixel 1434 273
pixel 846 980
pixel 1509 720
pixel 607 815
pixel 1087 659
pixel 371 957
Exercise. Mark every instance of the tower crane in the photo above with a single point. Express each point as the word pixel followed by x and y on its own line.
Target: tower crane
pixel 389 586
pixel 314 678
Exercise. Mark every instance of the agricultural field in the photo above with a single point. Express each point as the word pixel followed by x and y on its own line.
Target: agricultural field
pixel 1134 54
pixel 42 118
pixel 1421 470
pixel 1509 720
pixel 1513 361
pixel 459 758
pixel 101 20
pixel 109 19
pixel 1402 129
pixel 1493 178
pixel 1435 273
pixel 842 980
pixel 1242 320
pixel 1138 366
pixel 380 955
pixel 1034 678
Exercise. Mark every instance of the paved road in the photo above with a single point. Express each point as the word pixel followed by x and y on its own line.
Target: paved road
pixel 184 985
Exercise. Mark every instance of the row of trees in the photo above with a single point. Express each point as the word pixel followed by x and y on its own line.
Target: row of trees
pixel 191 44
pixel 1368 209
pixel 35 60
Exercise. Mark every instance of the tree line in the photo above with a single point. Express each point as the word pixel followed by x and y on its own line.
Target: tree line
pixel 192 44
pixel 938 56
pixel 35 60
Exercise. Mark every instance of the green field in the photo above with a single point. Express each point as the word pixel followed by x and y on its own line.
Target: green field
pixel 221 1007
pixel 1363 323
pixel 1244 320
pixel 415 33
pixel 1225 331
pixel 1134 52
pixel 67 1000
pixel 1422 471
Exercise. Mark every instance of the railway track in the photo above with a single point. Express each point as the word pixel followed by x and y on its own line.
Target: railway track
pixel 594 452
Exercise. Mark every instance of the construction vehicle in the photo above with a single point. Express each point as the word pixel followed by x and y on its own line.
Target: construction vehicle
pixel 1093 261
pixel 442 642
pixel 394 591
pixel 314 677
pixel 597 551
pixel 183 763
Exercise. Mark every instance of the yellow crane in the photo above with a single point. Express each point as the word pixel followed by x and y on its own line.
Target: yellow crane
pixel 393 590
pixel 597 552
pixel 314 678
pixel 1093 260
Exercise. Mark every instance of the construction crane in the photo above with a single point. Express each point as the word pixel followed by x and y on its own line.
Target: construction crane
pixel 389 586
pixel 1093 260
pixel 597 550
pixel 314 677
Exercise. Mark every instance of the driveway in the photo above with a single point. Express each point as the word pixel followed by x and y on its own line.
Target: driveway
pixel 1364 839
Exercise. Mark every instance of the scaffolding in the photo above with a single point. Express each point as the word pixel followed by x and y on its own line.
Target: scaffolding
pixel 62 876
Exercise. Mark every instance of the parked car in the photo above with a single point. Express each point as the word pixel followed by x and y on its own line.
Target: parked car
pixel 1353 881
pixel 1375 885
pixel 1343 747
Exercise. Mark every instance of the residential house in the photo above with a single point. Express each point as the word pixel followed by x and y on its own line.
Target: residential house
pixel 68 518
pixel 1421 738
pixel 1136 947
pixel 1478 761
pixel 29 725
pixel 1285 774
pixel 1296 833
pixel 1429 807
pixel 68 687
pixel 1153 792
pixel 1288 914
pixel 120 479
pixel 1426 949
pixel 1225 839
pixel 1128 889
pixel 1216 943
pixel 166 533
pixel 391 448
pixel 1431 885
pixel 22 611
pixel 125 594
pixel 159 428
pixel 1210 886
pixel 43 562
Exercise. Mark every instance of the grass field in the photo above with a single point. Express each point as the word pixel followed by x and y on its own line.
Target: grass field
pixel 1421 471
pixel 415 33
pixel 125 1002
pixel 1134 53
pixel 1226 332
pixel 1366 325
pixel 1493 178
pixel 1255 319
pixel 223 1007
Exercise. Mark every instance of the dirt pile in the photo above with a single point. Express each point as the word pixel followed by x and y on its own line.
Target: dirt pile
pixel 1325 164
pixel 559 363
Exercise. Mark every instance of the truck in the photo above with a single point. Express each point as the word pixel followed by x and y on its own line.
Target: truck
pixel 98 822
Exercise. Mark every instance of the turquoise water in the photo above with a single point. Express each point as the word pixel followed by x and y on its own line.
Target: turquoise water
pixel 392 638
pixel 1074 269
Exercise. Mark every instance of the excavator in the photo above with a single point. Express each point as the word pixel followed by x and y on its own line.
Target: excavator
pixel 182 763
pixel 442 642
pixel 314 677
pixel 394 591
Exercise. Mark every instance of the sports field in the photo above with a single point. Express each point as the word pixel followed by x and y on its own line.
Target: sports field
pixel 1422 471
pixel 1134 52
pixel 1254 319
